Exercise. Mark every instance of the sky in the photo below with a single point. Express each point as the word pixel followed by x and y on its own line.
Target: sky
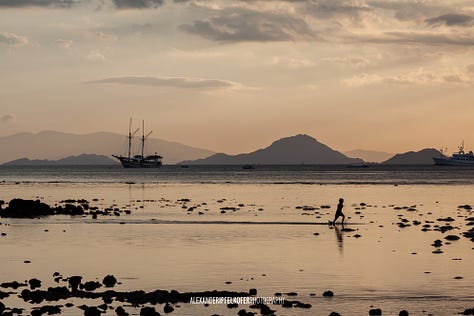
pixel 233 76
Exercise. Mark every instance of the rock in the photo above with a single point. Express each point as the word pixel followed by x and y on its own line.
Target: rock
pixel 34 283
pixel 469 311
pixel 451 237
pixel 328 294
pixel 403 313
pixel 169 309
pixel 109 281
pixel 149 311
pixel 232 305
pixel 375 311
pixel 253 292
pixel 120 311
pixel 91 285
pixel 2 307
pixel 292 294
pixel 243 312
pixel 90 311
pixel 74 282
pixel 334 314
pixel 47 309
pixel 20 208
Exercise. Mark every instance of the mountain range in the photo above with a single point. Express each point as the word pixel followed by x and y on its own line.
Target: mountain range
pixel 56 145
pixel 84 159
pixel 56 148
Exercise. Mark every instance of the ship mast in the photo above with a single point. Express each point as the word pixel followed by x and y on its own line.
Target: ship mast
pixel 144 137
pixel 130 136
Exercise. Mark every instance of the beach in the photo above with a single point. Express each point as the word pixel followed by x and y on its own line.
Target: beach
pixel 241 230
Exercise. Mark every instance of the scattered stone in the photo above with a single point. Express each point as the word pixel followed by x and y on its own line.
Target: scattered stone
pixel 375 311
pixel 169 309
pixel 34 283
pixel 328 294
pixel 109 281
pixel 451 237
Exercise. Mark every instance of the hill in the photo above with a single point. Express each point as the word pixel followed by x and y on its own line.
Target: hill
pixel 368 155
pixel 422 157
pixel 80 160
pixel 299 149
pixel 53 145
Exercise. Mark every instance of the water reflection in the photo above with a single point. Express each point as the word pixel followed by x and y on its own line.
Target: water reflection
pixel 339 237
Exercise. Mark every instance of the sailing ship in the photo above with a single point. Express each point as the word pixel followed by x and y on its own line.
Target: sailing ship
pixel 139 161
pixel 460 158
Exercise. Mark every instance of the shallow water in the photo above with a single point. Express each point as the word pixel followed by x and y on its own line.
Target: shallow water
pixel 162 245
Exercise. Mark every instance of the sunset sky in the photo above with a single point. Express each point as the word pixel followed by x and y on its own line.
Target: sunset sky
pixel 232 76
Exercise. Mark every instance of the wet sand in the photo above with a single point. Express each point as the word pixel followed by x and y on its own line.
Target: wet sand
pixel 273 238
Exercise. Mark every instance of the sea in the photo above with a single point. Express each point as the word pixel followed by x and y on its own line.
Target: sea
pixel 199 228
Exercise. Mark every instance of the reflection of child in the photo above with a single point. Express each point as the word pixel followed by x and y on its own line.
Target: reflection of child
pixel 339 212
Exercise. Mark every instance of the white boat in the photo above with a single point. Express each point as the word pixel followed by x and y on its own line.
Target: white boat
pixel 139 161
pixel 460 158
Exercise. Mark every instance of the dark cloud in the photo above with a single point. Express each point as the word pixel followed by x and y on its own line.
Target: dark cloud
pixel 242 24
pixel 419 38
pixel 327 9
pixel 451 19
pixel 175 82
pixel 39 3
pixel 412 10
pixel 137 4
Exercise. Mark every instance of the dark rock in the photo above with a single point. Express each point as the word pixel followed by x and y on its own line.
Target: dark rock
pixel 232 305
pixel 403 313
pixel 14 285
pixel 90 310
pixel 375 311
pixel 20 208
pixel 243 312
pixel 2 307
pixel 109 281
pixel 469 311
pixel 328 294
pixel 334 314
pixel 149 311
pixel 169 309
pixel 74 281
pixel 34 283
pixel 292 294
pixel 120 311
pixel 253 292
pixel 91 285
pixel 287 304
pixel 47 309
pixel 451 237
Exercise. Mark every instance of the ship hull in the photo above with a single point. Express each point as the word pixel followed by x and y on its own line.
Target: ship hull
pixel 134 163
pixel 452 162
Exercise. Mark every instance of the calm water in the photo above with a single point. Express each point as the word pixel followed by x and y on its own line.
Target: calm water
pixel 268 242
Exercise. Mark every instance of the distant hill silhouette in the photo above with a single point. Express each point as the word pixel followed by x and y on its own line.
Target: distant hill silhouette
pixel 422 157
pixel 299 149
pixel 368 155
pixel 84 159
pixel 56 145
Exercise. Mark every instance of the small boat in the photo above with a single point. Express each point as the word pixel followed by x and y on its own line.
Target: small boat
pixel 248 167
pixel 460 158
pixel 139 161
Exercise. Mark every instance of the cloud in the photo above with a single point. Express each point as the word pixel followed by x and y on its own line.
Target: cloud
pixel 417 77
pixel 451 19
pixel 244 24
pixel 173 82
pixel 64 43
pixel 412 10
pixel 96 56
pixel 137 4
pixel 13 39
pixel 7 118
pixel 38 3
pixel 417 38
pixel 328 9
